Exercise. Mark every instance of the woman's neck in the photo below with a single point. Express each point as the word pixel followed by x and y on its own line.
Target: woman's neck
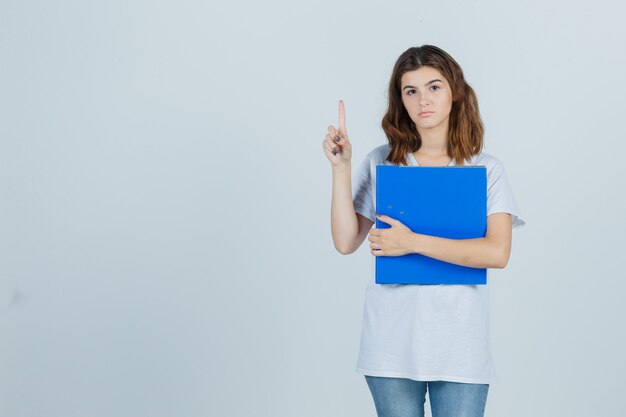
pixel 434 143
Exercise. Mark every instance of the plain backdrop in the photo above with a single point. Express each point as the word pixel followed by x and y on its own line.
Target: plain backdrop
pixel 165 245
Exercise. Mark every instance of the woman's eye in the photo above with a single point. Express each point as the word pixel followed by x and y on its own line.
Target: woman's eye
pixel 436 86
pixel 410 91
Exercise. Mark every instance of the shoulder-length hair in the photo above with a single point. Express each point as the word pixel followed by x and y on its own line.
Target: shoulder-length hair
pixel 465 129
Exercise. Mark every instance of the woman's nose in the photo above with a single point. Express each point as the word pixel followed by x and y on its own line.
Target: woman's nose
pixel 424 99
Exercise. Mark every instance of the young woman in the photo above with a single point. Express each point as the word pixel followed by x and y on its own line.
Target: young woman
pixel 419 338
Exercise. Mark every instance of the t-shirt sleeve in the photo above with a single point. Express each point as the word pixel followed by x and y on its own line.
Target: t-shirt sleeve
pixel 362 195
pixel 500 197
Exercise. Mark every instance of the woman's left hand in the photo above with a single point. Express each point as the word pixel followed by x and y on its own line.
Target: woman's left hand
pixel 395 241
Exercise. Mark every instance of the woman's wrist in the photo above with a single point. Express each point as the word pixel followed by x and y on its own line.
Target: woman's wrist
pixel 416 243
pixel 343 167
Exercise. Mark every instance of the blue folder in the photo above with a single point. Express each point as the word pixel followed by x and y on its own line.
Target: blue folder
pixel 448 202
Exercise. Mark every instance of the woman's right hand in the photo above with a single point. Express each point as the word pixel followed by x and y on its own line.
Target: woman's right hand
pixel 336 144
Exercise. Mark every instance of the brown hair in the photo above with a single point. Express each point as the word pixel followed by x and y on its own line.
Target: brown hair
pixel 465 129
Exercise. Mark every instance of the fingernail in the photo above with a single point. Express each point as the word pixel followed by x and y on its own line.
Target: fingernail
pixel 335 151
pixel 337 139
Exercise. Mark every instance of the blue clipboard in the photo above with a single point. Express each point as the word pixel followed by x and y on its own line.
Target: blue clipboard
pixel 449 202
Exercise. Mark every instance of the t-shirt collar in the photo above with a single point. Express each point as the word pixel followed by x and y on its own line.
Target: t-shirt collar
pixel 411 158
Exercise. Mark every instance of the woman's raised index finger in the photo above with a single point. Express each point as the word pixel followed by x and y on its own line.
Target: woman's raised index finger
pixel 342 116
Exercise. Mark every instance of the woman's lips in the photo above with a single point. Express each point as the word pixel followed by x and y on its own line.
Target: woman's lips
pixel 425 114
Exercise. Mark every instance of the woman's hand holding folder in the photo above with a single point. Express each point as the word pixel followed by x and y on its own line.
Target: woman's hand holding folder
pixel 336 144
pixel 396 240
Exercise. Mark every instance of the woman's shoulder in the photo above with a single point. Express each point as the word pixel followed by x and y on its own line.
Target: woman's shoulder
pixel 378 154
pixel 495 168
pixel 486 159
pixel 381 150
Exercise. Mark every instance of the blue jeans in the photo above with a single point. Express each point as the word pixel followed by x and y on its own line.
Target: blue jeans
pixel 401 397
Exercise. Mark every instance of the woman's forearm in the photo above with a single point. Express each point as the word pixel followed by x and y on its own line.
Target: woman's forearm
pixel 343 221
pixel 475 253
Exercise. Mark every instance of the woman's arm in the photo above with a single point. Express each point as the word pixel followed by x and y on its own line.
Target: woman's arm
pixel 344 223
pixel 491 251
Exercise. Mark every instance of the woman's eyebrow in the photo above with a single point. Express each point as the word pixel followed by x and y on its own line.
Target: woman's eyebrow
pixel 425 85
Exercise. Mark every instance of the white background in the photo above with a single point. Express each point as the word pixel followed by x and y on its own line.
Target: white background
pixel 165 245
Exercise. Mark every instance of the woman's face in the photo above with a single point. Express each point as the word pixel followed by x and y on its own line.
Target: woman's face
pixel 427 98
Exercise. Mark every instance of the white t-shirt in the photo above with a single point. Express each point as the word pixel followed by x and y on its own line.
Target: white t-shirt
pixel 428 332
